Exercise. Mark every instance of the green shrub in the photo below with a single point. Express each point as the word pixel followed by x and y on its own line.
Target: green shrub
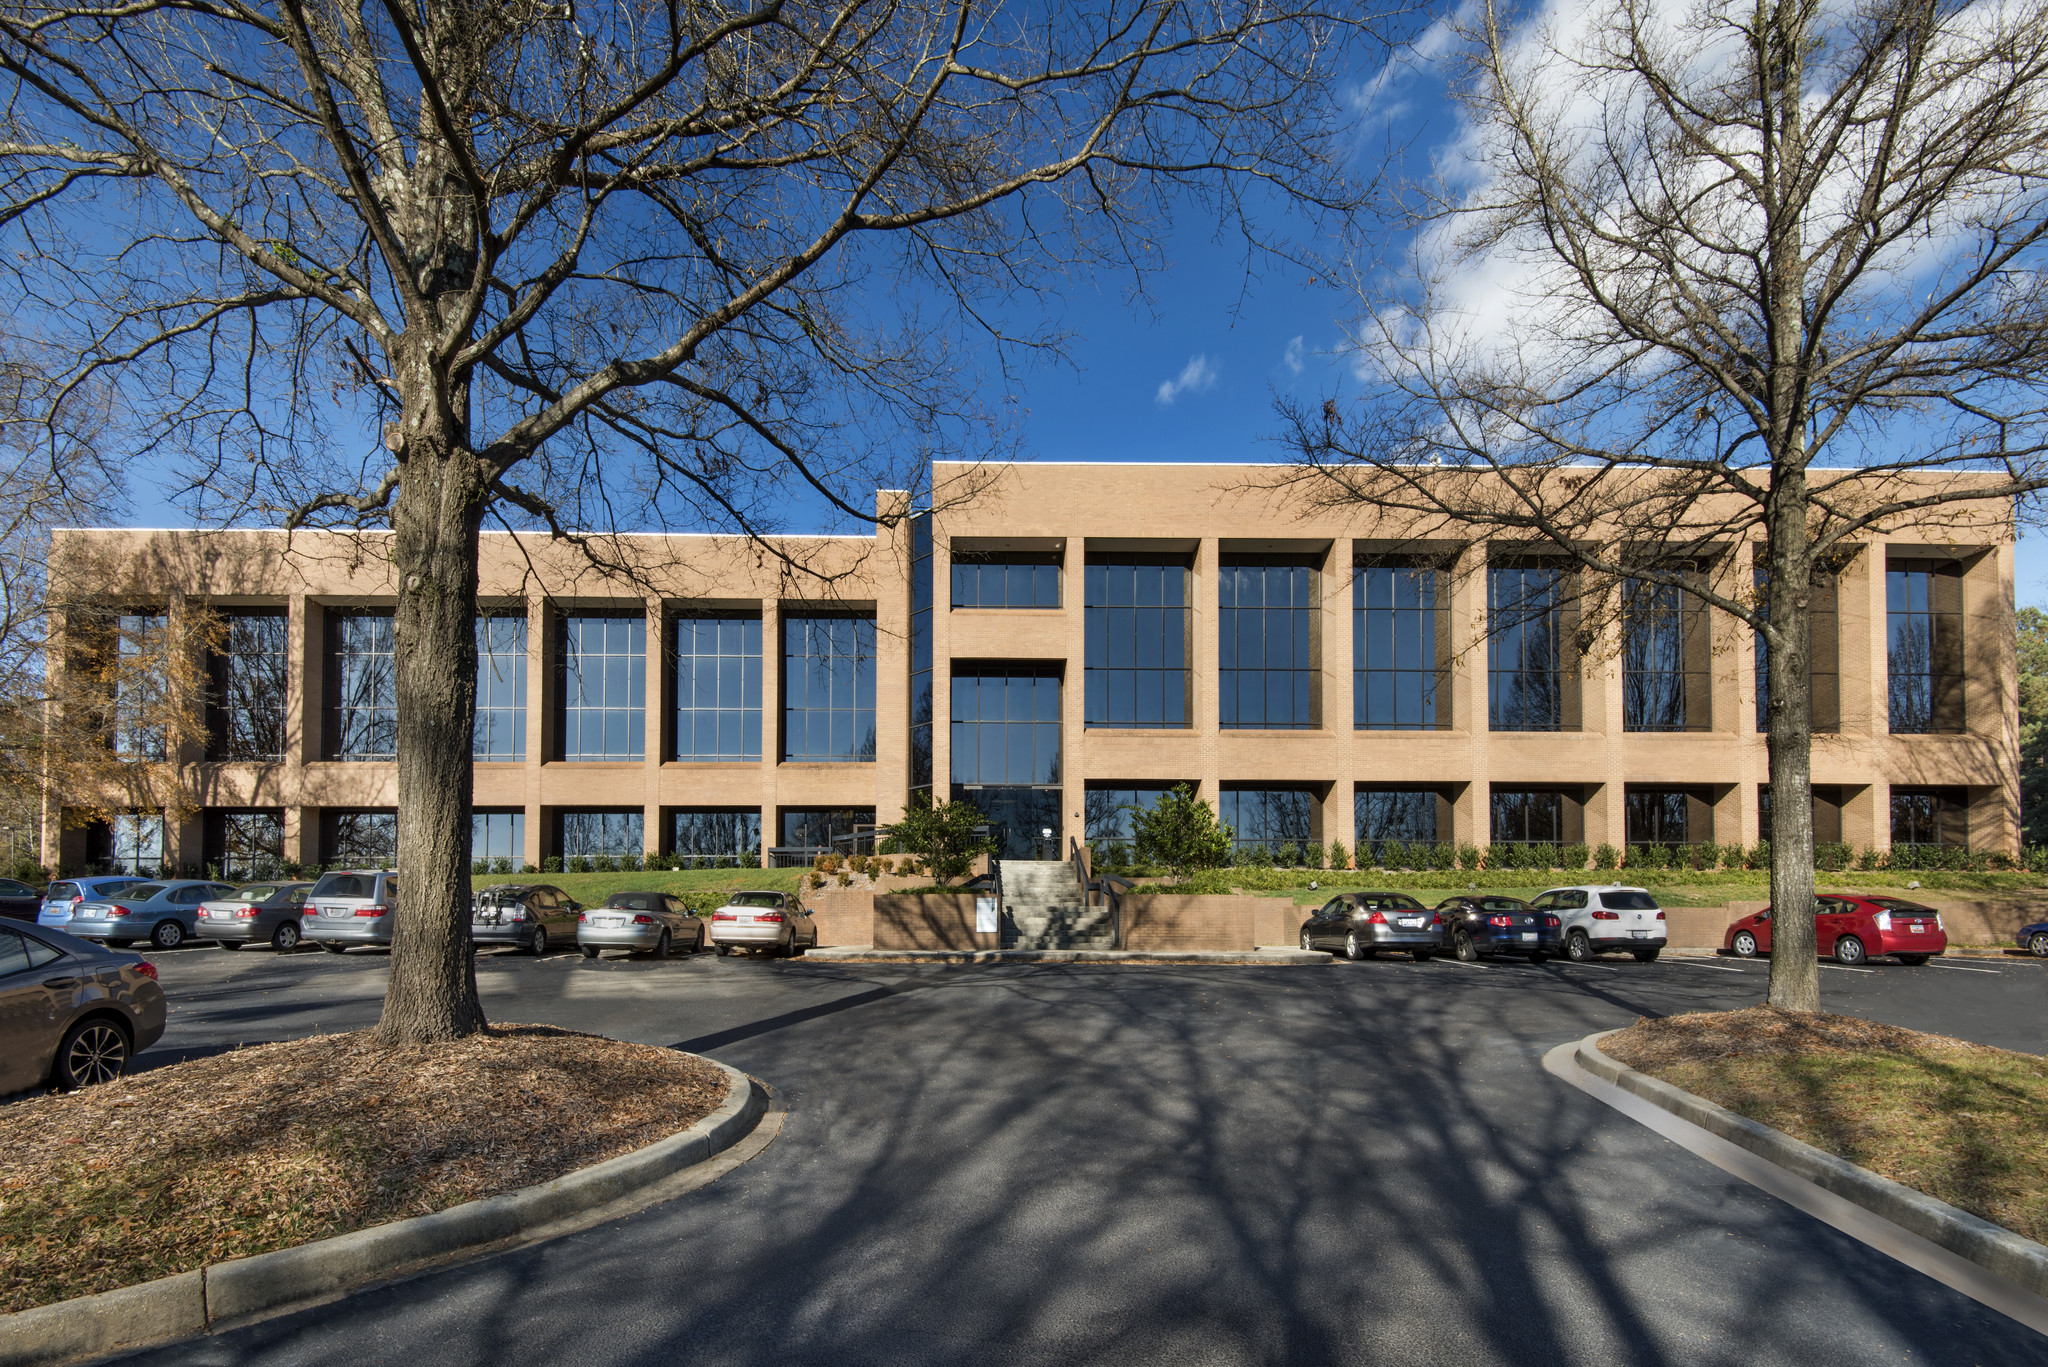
pixel 1831 856
pixel 1605 856
pixel 1288 857
pixel 579 863
pixel 1706 856
pixel 479 866
pixel 1572 856
pixel 1180 832
pixel 551 864
pixel 1468 857
pixel 1759 856
pixel 1866 859
pixel 1339 859
pixel 1543 856
pixel 1393 855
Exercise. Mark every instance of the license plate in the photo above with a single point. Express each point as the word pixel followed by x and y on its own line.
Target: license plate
pixel 1640 934
pixel 1411 920
pixel 1528 934
pixel 334 911
pixel 607 920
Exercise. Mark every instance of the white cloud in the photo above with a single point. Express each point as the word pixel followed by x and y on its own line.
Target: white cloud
pixel 1198 376
pixel 1292 357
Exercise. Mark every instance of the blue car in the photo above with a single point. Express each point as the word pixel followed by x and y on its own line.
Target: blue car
pixel 61 899
pixel 2034 939
pixel 165 913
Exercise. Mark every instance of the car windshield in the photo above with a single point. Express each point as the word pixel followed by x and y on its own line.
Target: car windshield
pixel 1383 902
pixel 1503 904
pixel 631 901
pixel 502 893
pixel 63 892
pixel 1894 904
pixel 141 892
pixel 255 892
pixel 346 885
pixel 1628 901
pixel 754 899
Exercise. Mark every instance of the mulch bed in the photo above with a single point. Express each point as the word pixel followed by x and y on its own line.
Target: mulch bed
pixel 267 1147
pixel 1961 1122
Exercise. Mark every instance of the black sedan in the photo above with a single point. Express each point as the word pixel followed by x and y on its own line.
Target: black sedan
pixel 1361 924
pixel 2034 939
pixel 1480 926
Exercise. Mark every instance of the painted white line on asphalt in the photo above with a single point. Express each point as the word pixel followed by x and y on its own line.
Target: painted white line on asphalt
pixel 1694 963
pixel 1604 968
pixel 1960 969
pixel 1922 1255
pixel 1840 969
pixel 1460 963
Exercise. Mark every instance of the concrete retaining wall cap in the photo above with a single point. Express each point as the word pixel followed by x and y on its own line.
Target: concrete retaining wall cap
pixel 1992 1247
pixel 191 1301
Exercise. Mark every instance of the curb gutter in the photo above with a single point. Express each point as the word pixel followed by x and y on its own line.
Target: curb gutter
pixel 1991 1247
pixel 190 1302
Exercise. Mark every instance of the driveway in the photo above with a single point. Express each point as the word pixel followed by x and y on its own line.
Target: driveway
pixel 1075 1164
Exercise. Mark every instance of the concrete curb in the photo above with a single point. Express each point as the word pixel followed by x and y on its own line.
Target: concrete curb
pixel 1263 957
pixel 1991 1247
pixel 191 1302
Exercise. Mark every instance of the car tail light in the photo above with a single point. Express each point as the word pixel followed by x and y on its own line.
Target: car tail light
pixel 119 911
pixel 1883 920
pixel 583 916
pixel 724 916
pixel 1552 922
pixel 1660 915
pixel 1937 922
pixel 643 920
pixel 147 970
pixel 246 914
pixel 1607 916
pixel 1437 919
pixel 768 916
pixel 1498 921
pixel 373 911
pixel 1378 918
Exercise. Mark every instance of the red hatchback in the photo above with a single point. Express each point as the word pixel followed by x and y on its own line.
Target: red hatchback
pixel 1853 929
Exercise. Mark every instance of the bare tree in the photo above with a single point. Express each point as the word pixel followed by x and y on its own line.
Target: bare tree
pixel 690 256
pixel 1740 271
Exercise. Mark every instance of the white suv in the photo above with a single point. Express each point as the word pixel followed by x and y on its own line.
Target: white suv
pixel 1600 916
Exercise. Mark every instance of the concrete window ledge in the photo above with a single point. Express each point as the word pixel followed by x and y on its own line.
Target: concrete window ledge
pixel 1991 1247
pixel 192 1302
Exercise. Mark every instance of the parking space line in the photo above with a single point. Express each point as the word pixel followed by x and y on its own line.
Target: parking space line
pixel 1841 969
pixel 1604 968
pixel 1459 963
pixel 1960 969
pixel 1718 968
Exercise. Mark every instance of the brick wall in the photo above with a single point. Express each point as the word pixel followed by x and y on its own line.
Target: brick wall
pixel 932 921
pixel 1166 921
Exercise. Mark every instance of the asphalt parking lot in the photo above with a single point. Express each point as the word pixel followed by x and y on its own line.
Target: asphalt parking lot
pixel 1363 1163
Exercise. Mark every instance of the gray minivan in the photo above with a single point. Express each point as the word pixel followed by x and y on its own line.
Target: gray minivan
pixel 351 907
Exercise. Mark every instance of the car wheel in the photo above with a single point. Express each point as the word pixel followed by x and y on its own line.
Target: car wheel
pixel 1462 946
pixel 335 949
pixel 1912 960
pixel 589 951
pixel 697 945
pixel 167 935
pixel 285 938
pixel 661 946
pixel 2038 945
pixel 1849 951
pixel 540 942
pixel 1645 956
pixel 1744 945
pixel 1423 956
pixel 1353 950
pixel 792 949
pixel 725 951
pixel 1578 948
pixel 94 1051
pixel 229 944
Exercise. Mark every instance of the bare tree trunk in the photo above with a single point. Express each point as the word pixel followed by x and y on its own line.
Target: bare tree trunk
pixel 440 506
pixel 1795 967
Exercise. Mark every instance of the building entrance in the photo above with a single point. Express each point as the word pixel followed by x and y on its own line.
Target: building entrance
pixel 1018 819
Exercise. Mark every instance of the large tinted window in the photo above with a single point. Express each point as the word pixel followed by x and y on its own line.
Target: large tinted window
pixel 498 835
pixel 130 842
pixel 1525 648
pixel 1006 725
pixel 250 675
pixel 1930 816
pixel 604 688
pixel 367 838
pixel 244 844
pixel 1659 816
pixel 1394 650
pixel 1924 638
pixel 921 692
pixel 500 689
pixel 1137 642
pixel 1406 815
pixel 361 693
pixel 1006 579
pixel 1527 816
pixel 1110 808
pixel 138 686
pixel 600 833
pixel 828 688
pixel 807 831
pixel 1664 676
pixel 1271 817
pixel 716 833
pixel 1266 657
pixel 718 688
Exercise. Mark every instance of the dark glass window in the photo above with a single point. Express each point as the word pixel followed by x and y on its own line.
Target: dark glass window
pixel 1526 677
pixel 828 688
pixel 1395 650
pixel 132 843
pixel 1827 813
pixel 1137 649
pixel 716 833
pixel 1271 817
pixel 607 833
pixel 1527 816
pixel 250 675
pixel 921 716
pixel 138 686
pixel 1266 655
pixel 1662 816
pixel 1664 677
pixel 243 845
pixel 360 839
pixel 1006 579
pixel 1109 810
pixel 1823 651
pixel 1930 816
pixel 1408 815
pixel 498 835
pixel 361 694
pixel 811 831
pixel 1006 725
pixel 500 689
pixel 718 688
pixel 604 688
pixel 1924 633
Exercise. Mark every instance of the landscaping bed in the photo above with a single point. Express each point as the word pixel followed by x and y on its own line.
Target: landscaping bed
pixel 267 1147
pixel 1961 1122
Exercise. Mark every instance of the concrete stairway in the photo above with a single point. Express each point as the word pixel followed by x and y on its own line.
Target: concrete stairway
pixel 1048 908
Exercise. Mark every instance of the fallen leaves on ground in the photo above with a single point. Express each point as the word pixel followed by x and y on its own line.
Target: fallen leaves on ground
pixel 1959 1121
pixel 262 1148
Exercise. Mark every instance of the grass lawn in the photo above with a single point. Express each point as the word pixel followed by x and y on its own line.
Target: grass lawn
pixel 1961 1122
pixel 703 889
pixel 1672 887
pixel 264 1148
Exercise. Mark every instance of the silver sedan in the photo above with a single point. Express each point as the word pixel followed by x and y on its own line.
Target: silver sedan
pixel 774 922
pixel 644 922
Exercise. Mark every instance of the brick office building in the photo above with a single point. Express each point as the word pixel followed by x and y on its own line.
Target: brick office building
pixel 1069 643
